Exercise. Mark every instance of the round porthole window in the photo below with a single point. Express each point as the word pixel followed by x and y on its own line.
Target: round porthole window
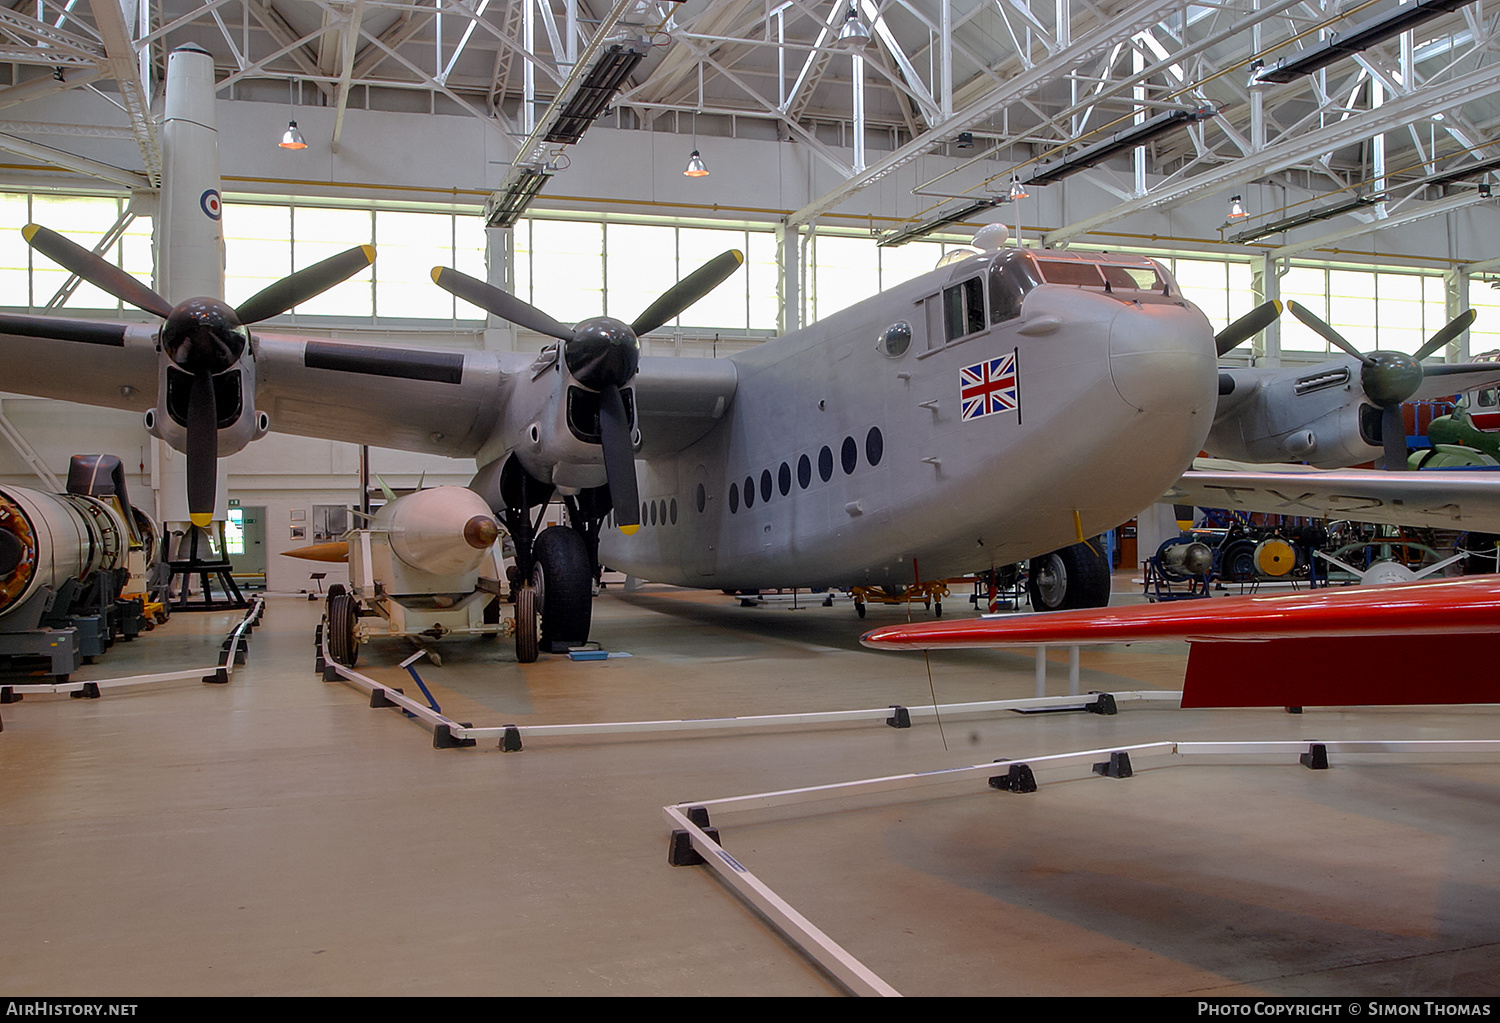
pixel 765 484
pixel 874 446
pixel 749 492
pixel 825 464
pixel 895 340
pixel 702 498
pixel 849 455
pixel 734 498
pixel 804 472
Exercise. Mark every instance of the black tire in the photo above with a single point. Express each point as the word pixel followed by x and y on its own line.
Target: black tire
pixel 526 648
pixel 343 644
pixel 1238 562
pixel 564 582
pixel 1073 577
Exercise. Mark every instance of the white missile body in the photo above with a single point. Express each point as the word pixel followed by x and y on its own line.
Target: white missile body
pixel 442 531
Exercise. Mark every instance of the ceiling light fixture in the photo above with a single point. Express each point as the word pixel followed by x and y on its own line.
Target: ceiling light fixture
pixel 696 168
pixel 854 34
pixel 1017 190
pixel 1236 208
pixel 292 138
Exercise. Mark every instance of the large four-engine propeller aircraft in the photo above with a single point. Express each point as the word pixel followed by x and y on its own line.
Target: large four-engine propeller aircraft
pixel 205 385
pixel 1000 408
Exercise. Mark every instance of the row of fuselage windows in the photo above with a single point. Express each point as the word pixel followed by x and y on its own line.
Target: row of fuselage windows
pixel 663 512
pixel 782 481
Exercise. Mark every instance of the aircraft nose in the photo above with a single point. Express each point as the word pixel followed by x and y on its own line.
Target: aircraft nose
pixel 1161 358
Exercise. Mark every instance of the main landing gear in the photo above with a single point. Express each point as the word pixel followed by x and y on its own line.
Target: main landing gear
pixel 557 567
pixel 1075 576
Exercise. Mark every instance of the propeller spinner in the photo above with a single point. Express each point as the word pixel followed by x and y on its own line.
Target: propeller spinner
pixel 603 355
pixel 1389 378
pixel 203 337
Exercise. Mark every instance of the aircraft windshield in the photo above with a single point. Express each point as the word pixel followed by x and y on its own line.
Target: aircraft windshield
pixel 1111 276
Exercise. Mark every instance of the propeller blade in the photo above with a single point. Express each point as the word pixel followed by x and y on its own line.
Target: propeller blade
pixel 1334 337
pixel 1393 437
pixel 1247 326
pixel 202 449
pixel 309 282
pixel 688 290
pixel 95 269
pixel 1455 327
pixel 619 457
pixel 503 304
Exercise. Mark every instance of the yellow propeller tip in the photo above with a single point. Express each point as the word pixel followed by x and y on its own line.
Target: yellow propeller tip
pixel 629 530
pixel 201 519
pixel 29 230
pixel 369 251
pixel 437 272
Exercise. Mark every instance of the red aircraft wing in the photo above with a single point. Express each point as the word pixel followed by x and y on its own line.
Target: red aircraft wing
pixel 1354 646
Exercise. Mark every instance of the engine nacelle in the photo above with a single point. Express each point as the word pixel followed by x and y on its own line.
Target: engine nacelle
pixel 1319 417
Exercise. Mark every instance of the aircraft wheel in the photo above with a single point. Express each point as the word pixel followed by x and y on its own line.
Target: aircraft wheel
pixel 1238 562
pixel 937 609
pixel 564 587
pixel 526 648
pixel 1075 576
pixel 343 644
pixel 859 608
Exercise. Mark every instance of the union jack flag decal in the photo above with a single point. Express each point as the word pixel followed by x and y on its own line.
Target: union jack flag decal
pixel 989 387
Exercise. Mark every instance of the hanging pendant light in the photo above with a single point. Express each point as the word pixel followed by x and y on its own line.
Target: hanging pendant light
pixel 1236 209
pixel 1018 190
pixel 854 34
pixel 292 138
pixel 696 168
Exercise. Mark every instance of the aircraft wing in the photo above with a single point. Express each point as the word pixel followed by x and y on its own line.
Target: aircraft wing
pixel 678 400
pixel 415 399
pixel 1442 380
pixel 1329 647
pixel 1439 498
pixel 109 363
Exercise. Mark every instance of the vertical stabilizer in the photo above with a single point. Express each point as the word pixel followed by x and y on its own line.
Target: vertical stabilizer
pixel 190 236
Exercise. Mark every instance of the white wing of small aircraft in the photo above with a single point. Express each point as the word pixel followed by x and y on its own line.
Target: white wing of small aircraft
pixel 1001 408
pixel 1466 499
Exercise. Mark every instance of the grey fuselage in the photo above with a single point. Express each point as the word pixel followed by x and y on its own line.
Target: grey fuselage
pixel 1115 394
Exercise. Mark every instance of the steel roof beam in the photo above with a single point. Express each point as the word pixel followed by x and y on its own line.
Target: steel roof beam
pixel 1397 113
pixel 1091 44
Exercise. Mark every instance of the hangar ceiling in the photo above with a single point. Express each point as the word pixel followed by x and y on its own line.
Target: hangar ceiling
pixel 1029 81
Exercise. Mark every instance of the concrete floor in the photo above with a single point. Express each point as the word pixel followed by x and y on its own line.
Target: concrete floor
pixel 277 836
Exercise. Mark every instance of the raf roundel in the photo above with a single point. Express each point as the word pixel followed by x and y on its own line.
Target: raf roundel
pixel 210 202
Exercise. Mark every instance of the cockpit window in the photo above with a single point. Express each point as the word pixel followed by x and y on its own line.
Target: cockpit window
pixel 1133 278
pixel 1082 275
pixel 963 309
pixel 1109 276
pixel 1012 275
